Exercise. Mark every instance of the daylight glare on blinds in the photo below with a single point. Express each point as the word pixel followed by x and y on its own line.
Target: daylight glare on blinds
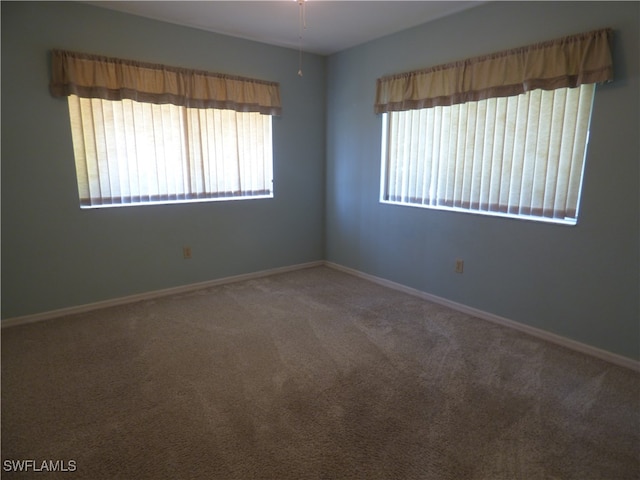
pixel 129 152
pixel 521 155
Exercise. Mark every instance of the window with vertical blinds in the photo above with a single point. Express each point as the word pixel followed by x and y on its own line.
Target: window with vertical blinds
pixel 502 134
pixel 520 156
pixel 146 133
pixel 128 152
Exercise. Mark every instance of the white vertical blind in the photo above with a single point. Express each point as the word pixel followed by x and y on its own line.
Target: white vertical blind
pixel 521 155
pixel 131 152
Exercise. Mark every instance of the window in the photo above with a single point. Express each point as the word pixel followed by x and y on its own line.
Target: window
pixel 128 152
pixel 145 133
pixel 503 134
pixel 516 156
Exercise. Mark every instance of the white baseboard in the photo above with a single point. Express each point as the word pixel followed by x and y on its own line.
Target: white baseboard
pixel 11 322
pixel 536 332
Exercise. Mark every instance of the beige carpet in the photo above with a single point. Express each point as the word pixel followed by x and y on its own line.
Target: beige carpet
pixel 313 374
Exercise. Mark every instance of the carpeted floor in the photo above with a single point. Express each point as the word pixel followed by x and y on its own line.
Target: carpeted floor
pixel 313 374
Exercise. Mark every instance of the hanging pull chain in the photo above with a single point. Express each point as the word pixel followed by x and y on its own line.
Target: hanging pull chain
pixel 302 25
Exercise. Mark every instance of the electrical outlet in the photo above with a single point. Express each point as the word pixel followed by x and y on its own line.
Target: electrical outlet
pixel 186 252
pixel 459 266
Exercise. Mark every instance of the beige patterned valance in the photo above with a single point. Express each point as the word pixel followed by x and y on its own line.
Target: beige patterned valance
pixel 93 76
pixel 565 62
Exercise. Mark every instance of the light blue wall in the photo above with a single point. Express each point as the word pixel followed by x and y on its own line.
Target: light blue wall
pixel 55 255
pixel 580 282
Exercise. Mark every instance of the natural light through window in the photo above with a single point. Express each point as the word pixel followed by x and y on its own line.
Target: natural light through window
pixel 502 134
pixel 147 133
pixel 520 156
pixel 130 152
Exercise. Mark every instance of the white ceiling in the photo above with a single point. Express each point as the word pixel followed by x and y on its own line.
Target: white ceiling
pixel 331 26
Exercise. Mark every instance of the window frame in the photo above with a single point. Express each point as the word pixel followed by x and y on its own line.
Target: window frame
pixel 101 78
pixel 385 168
pixel 99 157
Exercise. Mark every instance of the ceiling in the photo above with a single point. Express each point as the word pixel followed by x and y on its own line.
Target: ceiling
pixel 331 26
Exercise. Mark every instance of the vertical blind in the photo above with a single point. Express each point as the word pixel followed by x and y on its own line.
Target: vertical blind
pixel 520 155
pixel 504 133
pixel 145 132
pixel 132 152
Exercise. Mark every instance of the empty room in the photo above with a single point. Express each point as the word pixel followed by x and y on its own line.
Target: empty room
pixel 320 240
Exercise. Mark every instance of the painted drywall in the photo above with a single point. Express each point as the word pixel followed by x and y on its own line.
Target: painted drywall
pixel 581 282
pixel 55 255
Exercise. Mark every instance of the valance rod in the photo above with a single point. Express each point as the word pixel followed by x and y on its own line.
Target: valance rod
pixel 565 62
pixel 94 76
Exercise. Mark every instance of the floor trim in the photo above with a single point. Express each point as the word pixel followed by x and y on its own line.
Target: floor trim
pixel 38 317
pixel 536 332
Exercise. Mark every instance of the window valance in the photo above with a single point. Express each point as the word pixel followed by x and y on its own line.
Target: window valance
pixel 566 62
pixel 93 76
